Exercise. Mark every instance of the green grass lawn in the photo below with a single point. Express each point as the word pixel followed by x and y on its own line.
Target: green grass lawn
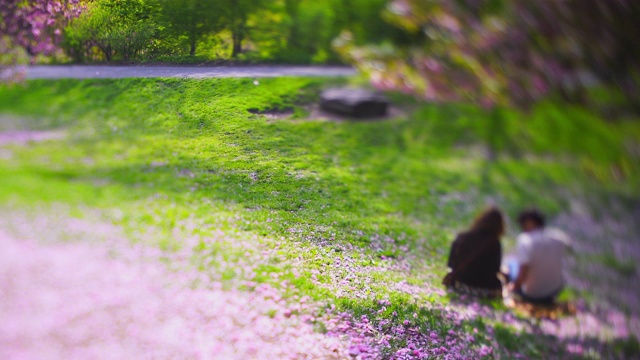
pixel 346 211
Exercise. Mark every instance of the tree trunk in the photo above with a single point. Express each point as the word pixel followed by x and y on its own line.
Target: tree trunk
pixel 192 51
pixel 238 32
pixel 292 7
pixel 106 50
pixel 193 38
pixel 237 42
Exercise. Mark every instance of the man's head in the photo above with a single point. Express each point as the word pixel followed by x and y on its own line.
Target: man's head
pixel 530 220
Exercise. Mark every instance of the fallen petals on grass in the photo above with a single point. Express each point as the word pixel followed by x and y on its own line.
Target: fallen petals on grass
pixel 77 301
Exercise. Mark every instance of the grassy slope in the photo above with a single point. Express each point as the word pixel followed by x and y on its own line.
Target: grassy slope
pixel 163 154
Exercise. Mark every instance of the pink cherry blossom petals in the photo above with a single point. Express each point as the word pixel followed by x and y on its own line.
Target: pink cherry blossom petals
pixel 77 301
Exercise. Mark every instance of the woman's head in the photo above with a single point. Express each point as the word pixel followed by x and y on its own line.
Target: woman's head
pixel 490 220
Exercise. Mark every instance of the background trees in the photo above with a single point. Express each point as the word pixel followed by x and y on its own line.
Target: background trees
pixel 291 31
pixel 238 13
pixel 191 19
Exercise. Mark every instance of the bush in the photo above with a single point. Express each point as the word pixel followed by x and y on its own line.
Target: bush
pixel 117 29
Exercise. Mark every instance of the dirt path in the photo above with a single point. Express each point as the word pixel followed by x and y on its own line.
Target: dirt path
pixel 113 72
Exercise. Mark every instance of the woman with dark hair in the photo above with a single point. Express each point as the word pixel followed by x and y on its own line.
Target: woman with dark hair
pixel 475 256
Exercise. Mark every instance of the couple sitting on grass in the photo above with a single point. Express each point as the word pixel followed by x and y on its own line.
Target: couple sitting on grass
pixel 533 273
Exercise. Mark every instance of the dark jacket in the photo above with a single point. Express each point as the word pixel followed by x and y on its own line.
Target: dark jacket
pixel 475 258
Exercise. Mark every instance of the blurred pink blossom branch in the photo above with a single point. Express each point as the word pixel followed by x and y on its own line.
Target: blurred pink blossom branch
pixel 496 52
pixel 32 26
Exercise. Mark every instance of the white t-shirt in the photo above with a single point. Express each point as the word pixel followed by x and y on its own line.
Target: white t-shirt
pixel 543 251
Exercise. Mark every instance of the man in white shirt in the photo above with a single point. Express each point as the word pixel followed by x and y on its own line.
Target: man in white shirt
pixel 539 254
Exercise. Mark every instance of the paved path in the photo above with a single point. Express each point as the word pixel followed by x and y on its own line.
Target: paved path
pixel 257 71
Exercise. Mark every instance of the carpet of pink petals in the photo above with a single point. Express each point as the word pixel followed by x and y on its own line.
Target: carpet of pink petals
pixel 78 301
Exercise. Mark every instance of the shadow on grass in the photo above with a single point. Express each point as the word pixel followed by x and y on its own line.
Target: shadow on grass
pixel 464 326
pixel 565 335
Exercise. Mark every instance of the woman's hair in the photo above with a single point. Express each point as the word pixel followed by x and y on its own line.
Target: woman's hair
pixel 490 220
pixel 531 214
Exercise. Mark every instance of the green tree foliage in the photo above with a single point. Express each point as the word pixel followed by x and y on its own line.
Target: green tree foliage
pixel 290 31
pixel 309 27
pixel 363 19
pixel 309 32
pixel 117 28
pixel 192 19
pixel 238 13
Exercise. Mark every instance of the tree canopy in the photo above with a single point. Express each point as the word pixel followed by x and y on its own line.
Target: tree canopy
pixel 292 31
pixel 192 19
